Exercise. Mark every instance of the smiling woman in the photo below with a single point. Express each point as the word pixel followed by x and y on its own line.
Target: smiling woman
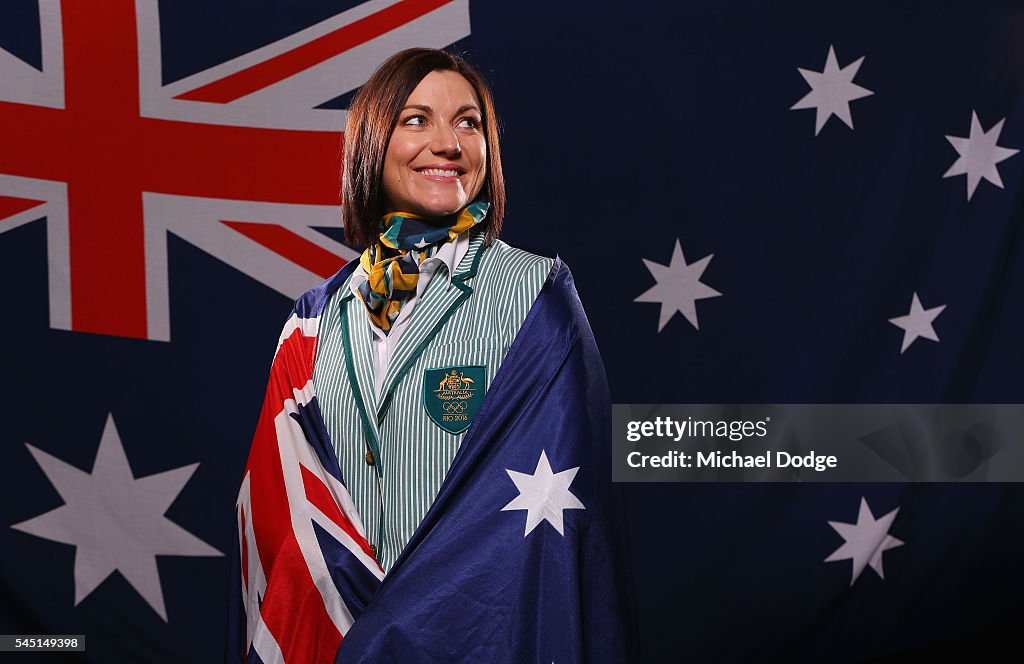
pixel 424 110
pixel 437 155
pixel 455 385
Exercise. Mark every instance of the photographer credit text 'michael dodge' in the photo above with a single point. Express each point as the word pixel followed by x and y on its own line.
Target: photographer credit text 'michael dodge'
pixel 666 427
pixel 732 459
pixel 818 443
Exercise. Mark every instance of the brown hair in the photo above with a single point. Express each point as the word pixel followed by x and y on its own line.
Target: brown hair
pixel 371 121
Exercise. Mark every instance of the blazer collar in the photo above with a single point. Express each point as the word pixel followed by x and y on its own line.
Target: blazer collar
pixel 437 305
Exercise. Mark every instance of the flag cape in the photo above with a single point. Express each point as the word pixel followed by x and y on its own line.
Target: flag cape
pixel 498 571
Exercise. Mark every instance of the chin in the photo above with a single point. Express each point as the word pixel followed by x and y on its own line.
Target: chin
pixel 442 209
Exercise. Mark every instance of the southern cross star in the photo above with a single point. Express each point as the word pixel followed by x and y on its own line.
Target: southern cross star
pixel 832 90
pixel 866 540
pixel 544 495
pixel 979 155
pixel 678 287
pixel 917 323
pixel 114 520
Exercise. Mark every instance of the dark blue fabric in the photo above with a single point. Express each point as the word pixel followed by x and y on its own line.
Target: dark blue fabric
pixel 355 588
pixel 311 303
pixel 312 423
pixel 234 652
pixel 469 587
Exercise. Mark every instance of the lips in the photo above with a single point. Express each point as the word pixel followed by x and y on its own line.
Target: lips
pixel 441 172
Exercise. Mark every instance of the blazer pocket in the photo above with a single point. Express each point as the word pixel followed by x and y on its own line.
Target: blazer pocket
pixel 481 351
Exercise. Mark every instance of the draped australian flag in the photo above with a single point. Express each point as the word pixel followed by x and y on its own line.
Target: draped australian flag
pixel 302 570
pixel 789 202
pixel 520 558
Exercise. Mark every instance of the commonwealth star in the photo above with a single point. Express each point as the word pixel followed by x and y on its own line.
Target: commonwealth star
pixel 114 520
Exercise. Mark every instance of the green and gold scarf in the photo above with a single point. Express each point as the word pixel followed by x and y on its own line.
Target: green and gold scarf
pixel 392 263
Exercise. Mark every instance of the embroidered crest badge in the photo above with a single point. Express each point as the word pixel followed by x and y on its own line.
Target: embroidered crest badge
pixel 452 396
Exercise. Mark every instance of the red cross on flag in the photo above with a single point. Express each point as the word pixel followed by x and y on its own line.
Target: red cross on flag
pixel 237 159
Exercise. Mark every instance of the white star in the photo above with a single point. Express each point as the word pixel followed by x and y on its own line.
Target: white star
pixel 678 287
pixel 544 495
pixel 866 540
pixel 832 90
pixel 979 155
pixel 422 242
pixel 115 521
pixel 917 323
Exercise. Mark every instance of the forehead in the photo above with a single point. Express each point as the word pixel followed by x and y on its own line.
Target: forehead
pixel 443 89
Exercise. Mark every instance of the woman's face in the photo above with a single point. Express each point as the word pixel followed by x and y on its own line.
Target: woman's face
pixel 437 156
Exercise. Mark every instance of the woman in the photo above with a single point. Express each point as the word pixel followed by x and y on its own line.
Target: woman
pixel 437 413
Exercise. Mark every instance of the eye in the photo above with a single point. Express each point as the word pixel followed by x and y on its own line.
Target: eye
pixel 414 121
pixel 468 123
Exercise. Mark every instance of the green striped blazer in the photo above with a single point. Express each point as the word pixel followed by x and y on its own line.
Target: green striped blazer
pixel 393 457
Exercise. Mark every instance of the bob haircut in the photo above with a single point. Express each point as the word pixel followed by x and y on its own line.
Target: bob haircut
pixel 371 121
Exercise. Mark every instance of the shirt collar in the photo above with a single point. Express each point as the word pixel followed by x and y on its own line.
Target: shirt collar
pixel 448 255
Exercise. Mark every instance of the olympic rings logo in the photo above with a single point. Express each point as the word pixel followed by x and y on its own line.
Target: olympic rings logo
pixel 455 407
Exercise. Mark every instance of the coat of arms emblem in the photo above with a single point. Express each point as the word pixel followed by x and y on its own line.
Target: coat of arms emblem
pixel 452 396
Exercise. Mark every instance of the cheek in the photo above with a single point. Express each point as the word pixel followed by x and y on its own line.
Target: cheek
pixel 392 182
pixel 395 181
pixel 395 160
pixel 390 165
pixel 480 160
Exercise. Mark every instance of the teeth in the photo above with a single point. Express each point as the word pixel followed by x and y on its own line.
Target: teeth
pixel 438 171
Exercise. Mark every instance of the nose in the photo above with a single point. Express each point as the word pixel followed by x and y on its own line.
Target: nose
pixel 445 141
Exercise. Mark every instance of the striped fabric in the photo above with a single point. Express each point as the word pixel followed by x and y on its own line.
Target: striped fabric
pixel 471 321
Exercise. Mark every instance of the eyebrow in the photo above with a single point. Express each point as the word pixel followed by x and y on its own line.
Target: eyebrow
pixel 427 109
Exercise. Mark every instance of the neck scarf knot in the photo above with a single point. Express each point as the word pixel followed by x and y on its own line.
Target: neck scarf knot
pixel 392 263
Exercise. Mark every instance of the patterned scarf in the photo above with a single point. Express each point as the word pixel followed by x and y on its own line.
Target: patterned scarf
pixel 392 264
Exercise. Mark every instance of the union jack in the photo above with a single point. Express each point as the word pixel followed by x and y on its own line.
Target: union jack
pixel 303 550
pixel 236 159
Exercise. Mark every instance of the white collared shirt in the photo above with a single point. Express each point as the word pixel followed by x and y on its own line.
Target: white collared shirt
pixel 449 256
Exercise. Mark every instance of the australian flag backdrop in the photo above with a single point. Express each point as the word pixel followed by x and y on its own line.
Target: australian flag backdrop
pixel 761 202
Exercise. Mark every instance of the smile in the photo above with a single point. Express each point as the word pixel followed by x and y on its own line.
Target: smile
pixel 442 172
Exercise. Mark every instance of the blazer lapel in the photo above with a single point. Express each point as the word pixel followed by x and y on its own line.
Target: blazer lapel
pixel 439 302
pixel 359 361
